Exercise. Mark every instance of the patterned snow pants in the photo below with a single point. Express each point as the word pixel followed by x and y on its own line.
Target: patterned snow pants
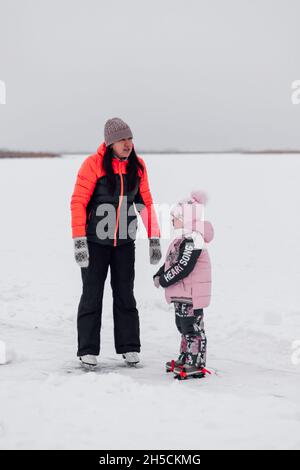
pixel 193 340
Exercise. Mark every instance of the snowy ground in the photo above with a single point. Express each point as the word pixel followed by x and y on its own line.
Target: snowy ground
pixel 252 325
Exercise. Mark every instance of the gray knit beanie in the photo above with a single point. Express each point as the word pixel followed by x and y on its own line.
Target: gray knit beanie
pixel 115 129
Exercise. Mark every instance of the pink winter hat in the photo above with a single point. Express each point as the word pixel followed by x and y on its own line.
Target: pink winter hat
pixel 191 211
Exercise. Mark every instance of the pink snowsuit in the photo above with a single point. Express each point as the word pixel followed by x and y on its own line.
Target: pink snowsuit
pixel 196 287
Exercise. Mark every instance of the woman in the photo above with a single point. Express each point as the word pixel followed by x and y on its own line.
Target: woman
pixel 110 185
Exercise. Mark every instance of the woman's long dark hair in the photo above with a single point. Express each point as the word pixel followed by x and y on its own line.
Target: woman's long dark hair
pixel 132 169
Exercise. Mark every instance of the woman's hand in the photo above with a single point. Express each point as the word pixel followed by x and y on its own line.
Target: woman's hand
pixel 154 250
pixel 81 251
pixel 156 281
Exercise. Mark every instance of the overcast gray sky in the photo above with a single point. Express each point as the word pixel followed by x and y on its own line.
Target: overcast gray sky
pixel 185 75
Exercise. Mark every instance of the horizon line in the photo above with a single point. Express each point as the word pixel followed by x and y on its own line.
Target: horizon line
pixel 155 152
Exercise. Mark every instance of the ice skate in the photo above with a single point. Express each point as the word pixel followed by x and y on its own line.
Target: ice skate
pixel 190 371
pixel 131 358
pixel 172 365
pixel 88 362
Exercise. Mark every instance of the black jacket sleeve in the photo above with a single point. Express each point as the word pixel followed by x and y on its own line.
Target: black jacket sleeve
pixel 187 259
pixel 160 271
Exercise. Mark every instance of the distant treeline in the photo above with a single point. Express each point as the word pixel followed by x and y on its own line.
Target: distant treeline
pixel 10 154
pixel 217 152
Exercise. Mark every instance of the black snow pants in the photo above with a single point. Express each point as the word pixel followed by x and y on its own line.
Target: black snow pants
pixel 126 319
pixel 190 324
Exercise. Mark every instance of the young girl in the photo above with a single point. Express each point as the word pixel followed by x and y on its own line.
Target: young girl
pixel 186 277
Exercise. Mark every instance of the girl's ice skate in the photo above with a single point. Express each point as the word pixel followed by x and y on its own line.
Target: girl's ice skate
pixel 190 371
pixel 88 361
pixel 172 365
pixel 131 358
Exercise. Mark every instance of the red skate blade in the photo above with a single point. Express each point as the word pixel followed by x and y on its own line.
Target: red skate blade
pixel 183 374
pixel 172 367
pixel 206 371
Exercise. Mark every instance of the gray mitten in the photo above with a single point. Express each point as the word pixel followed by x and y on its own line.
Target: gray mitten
pixel 154 250
pixel 81 251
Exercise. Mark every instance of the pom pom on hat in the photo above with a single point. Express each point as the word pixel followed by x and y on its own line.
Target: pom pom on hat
pixel 199 196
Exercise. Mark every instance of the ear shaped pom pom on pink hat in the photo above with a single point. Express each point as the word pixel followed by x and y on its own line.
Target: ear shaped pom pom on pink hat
pixel 199 196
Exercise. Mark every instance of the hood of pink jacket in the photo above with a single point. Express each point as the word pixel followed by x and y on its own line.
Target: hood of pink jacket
pixel 208 231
